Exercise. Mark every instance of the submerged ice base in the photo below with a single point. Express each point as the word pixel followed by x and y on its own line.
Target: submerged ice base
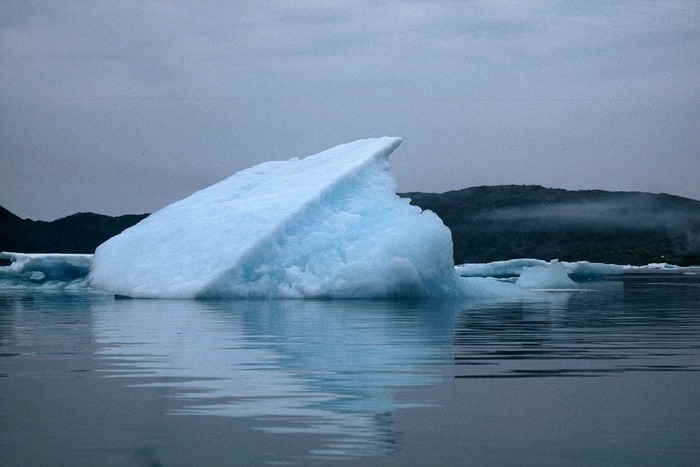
pixel 328 225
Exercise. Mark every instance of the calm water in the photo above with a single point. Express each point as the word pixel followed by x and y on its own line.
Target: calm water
pixel 610 375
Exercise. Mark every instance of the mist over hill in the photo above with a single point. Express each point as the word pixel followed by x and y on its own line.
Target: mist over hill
pixel 488 223
pixel 491 223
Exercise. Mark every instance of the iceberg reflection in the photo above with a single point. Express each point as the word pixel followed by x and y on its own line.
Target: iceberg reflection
pixel 327 367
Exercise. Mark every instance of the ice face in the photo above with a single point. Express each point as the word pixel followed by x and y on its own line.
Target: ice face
pixel 328 225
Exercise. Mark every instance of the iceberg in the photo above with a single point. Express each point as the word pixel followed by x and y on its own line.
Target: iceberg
pixel 578 270
pixel 44 269
pixel 329 225
pixel 498 269
pixel 663 268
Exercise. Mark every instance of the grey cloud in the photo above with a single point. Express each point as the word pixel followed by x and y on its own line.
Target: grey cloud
pixel 585 95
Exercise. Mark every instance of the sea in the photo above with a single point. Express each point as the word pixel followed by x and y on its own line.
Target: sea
pixel 606 374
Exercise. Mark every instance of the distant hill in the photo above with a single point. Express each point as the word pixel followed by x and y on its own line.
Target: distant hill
pixel 488 223
pixel 78 233
pixel 491 223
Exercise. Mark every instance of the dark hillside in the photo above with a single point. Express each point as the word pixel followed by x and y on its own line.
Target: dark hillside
pixel 78 233
pixel 491 223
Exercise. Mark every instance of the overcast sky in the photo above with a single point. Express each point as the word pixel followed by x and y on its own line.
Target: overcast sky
pixel 126 106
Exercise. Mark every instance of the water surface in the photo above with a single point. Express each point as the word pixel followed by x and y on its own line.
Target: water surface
pixel 608 374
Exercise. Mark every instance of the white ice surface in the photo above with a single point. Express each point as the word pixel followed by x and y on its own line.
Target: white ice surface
pixel 328 225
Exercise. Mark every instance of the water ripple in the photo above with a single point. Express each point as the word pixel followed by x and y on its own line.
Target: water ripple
pixel 648 325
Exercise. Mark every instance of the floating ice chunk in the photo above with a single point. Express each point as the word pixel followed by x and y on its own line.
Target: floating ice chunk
pixel 328 225
pixel 579 270
pixel 656 268
pixel 508 268
pixel 45 266
pixel 660 266
pixel 582 270
pixel 44 271
pixel 550 276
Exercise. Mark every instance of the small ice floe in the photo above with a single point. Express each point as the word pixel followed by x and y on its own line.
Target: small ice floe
pixel 47 270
